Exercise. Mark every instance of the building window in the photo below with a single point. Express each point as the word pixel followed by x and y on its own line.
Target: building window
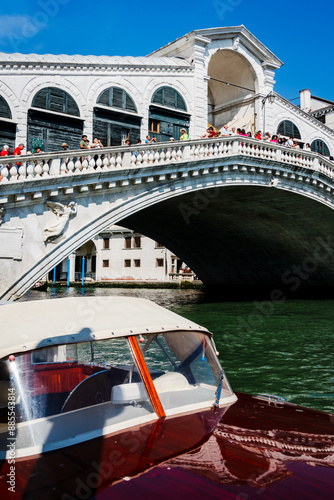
pixel 4 108
pixel 54 99
pixel 288 129
pixel 105 263
pixel 127 263
pixel 136 262
pixel 159 262
pixel 106 243
pixel 116 97
pixel 320 147
pixel 137 242
pixel 154 126
pixel 127 241
pixel 158 245
pixel 169 97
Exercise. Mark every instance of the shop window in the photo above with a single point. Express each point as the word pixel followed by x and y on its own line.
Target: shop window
pixel 320 147
pixel 4 109
pixel 169 97
pixel 57 100
pixel 116 97
pixel 288 129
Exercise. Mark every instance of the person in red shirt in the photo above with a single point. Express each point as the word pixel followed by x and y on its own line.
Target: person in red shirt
pixel 5 151
pixel 17 151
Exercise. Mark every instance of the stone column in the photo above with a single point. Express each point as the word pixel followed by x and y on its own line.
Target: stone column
pixel 72 266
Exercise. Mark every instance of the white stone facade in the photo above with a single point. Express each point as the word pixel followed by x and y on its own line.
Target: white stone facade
pixel 120 254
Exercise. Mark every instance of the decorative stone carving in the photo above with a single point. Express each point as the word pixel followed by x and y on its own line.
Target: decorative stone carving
pixel 236 42
pixel 63 214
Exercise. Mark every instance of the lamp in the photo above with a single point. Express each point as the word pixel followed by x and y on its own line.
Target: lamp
pixel 270 97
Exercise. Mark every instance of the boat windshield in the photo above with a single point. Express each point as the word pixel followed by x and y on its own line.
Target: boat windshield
pixel 60 379
pixel 189 370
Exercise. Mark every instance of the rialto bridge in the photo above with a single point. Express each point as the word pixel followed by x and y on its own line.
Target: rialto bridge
pixel 242 213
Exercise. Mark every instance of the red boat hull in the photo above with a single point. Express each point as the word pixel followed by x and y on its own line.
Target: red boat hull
pixel 256 450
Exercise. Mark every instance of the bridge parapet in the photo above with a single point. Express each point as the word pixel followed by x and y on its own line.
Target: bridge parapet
pixel 33 168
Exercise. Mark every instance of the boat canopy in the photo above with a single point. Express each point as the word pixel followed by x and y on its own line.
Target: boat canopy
pixel 35 324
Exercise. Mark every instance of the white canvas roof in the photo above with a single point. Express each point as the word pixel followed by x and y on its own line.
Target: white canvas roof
pixel 40 323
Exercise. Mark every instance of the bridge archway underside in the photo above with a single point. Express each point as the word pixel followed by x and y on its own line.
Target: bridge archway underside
pixel 237 222
pixel 247 239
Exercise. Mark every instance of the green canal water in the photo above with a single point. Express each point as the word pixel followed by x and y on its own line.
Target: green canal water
pixel 284 348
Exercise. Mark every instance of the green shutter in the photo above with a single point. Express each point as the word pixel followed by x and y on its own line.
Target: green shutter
pixel 4 108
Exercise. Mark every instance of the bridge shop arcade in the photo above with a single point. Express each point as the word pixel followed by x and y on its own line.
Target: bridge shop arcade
pixel 218 76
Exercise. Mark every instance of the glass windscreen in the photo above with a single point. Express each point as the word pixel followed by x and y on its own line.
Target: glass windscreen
pixel 184 368
pixel 60 379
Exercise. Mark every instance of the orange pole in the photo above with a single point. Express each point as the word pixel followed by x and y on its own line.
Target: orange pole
pixel 145 374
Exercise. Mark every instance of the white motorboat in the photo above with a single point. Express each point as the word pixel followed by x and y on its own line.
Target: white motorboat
pixel 75 369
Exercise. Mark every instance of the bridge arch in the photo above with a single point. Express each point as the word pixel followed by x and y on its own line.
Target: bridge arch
pixel 250 235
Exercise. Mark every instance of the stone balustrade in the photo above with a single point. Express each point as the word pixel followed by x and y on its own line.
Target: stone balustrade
pixel 38 166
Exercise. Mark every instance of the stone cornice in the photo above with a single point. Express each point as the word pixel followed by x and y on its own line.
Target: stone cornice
pixel 93 68
pixel 308 117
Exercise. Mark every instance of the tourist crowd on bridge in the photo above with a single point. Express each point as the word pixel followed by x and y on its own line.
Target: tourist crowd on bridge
pixel 210 133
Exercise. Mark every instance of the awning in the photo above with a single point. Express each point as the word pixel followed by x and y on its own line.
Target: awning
pixel 247 122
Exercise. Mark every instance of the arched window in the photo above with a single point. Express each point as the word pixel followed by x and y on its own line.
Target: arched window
pixel 4 109
pixel 321 147
pixel 7 127
pixel 57 100
pixel 116 97
pixel 166 96
pixel 288 129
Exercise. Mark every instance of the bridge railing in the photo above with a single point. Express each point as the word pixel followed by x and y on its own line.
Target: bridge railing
pixel 77 162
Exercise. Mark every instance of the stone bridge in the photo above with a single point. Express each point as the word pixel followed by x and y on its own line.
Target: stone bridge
pixel 243 214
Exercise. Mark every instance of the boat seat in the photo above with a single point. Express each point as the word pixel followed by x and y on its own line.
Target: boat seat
pixel 128 393
pixel 135 392
pixel 171 381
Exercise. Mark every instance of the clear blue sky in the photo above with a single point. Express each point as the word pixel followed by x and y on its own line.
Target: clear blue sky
pixel 300 33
